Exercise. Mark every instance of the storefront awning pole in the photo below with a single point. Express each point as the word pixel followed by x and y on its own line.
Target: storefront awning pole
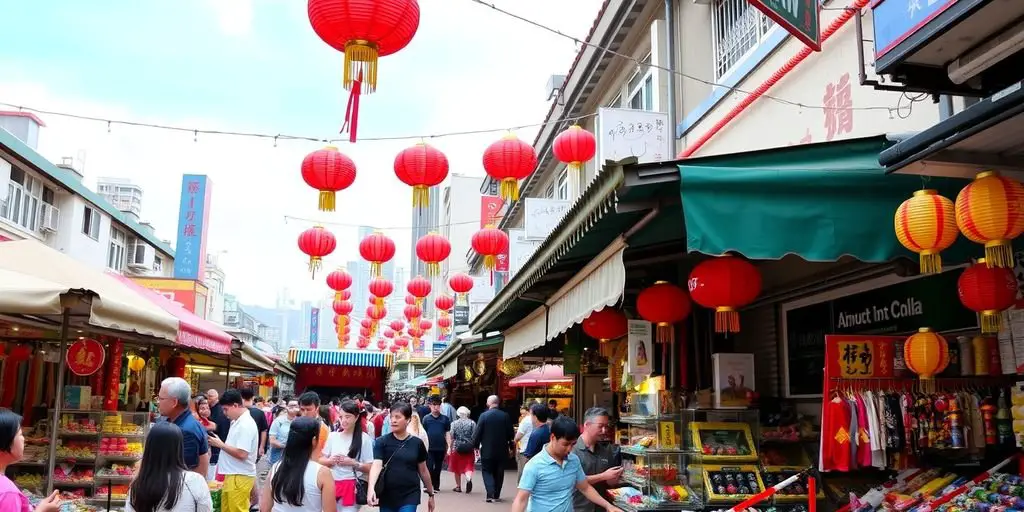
pixel 58 401
pixel 227 374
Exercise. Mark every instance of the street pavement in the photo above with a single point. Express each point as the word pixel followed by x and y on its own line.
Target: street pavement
pixel 462 502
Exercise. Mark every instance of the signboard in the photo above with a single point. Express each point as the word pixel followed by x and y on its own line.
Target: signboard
pixel 314 326
pixel 624 133
pixel 490 209
pixel 801 18
pixel 193 221
pixel 895 309
pixel 190 294
pixel 861 357
pixel 541 216
pixel 460 319
pixel 85 357
pixel 896 20
pixel 519 250
pixel 640 354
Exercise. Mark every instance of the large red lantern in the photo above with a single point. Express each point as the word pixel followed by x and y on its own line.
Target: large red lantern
pixel 574 147
pixel 725 284
pixel 376 312
pixel 377 249
pixel 987 291
pixel 444 323
pixel 663 304
pixel 412 313
pixel 397 325
pixel 606 324
pixel 394 349
pixel 401 342
pixel 380 288
pixel 490 243
pixel 328 171
pixel 317 242
pixel 342 307
pixel 444 302
pixel 508 161
pixel 425 324
pixel 461 284
pixel 419 287
pixel 415 332
pixel 381 344
pixel 339 281
pixel 432 249
pixel 364 30
pixel 421 167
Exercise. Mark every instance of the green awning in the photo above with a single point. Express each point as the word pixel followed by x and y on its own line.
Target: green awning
pixel 818 201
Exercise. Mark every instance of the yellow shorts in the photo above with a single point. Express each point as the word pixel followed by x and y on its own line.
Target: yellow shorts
pixel 234 496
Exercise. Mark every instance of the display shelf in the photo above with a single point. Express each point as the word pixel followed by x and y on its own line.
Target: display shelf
pixel 91 441
pixel 795 492
pixel 731 484
pixel 675 498
pixel 724 442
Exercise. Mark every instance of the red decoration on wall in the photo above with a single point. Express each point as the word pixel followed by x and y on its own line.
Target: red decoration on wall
pixel 574 147
pixel 987 291
pixel 113 390
pixel 85 357
pixel 606 324
pixel 663 304
pixel 838 111
pixel 432 249
pixel 508 161
pixel 328 171
pixel 421 167
pixel 377 249
pixel 317 242
pixel 725 284
pixel 419 287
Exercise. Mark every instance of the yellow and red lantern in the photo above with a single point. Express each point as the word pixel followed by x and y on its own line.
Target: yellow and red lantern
pixel 328 171
pixel 419 287
pixel 461 284
pixel 444 323
pixel 339 281
pixel 380 288
pixel 987 291
pixel 508 161
pixel 317 242
pixel 926 353
pixel 490 243
pixel 926 225
pixel 432 249
pixel 377 249
pixel 421 167
pixel 990 211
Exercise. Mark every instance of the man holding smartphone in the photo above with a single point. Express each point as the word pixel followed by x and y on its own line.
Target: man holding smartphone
pixel 601 460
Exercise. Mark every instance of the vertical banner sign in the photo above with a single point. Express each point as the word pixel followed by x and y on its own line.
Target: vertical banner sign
pixel 800 18
pixel 640 351
pixel 314 327
pixel 490 208
pixel 113 390
pixel 460 319
pixel 193 221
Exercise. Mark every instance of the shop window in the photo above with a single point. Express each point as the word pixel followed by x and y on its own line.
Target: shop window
pixel 91 223
pixel 158 264
pixel 550 191
pixel 116 252
pixel 24 198
pixel 640 88
pixel 562 184
pixel 616 103
pixel 738 28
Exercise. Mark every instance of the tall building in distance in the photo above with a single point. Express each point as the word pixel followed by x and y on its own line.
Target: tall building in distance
pixel 122 194
pixel 460 218
pixel 425 220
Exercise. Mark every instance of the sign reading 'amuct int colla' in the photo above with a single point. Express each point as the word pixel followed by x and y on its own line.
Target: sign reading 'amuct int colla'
pixel 798 17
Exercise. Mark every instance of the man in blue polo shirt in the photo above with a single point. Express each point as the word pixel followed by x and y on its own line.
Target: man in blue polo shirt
pixel 173 403
pixel 551 476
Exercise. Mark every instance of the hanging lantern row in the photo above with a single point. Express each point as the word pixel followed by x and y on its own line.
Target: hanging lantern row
pixel 988 211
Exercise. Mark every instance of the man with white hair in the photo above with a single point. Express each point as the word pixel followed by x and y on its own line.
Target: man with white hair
pixel 173 403
pixel 493 435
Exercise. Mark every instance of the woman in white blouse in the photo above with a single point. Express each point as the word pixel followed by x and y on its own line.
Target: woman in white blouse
pixel 164 484
pixel 296 483
pixel 349 454
pixel 416 429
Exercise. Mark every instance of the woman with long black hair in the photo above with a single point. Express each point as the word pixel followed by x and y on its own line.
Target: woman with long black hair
pixel 349 454
pixel 164 483
pixel 12 449
pixel 298 484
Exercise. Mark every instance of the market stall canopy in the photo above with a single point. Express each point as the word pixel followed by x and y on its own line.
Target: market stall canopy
pixel 36 277
pixel 372 359
pixel 545 375
pixel 193 331
pixel 255 356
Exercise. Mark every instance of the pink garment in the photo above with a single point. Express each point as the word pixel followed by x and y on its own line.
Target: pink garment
pixel 863 435
pixel 345 492
pixel 11 499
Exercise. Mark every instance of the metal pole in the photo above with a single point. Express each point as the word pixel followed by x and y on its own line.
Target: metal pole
pixel 58 401
pixel 670 54
pixel 227 374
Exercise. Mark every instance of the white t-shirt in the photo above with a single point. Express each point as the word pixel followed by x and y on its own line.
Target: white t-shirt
pixel 338 443
pixel 525 428
pixel 194 496
pixel 243 435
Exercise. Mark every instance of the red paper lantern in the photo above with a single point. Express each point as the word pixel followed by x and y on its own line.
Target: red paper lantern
pixel 388 333
pixel 663 304
pixel 339 281
pixel 380 288
pixel 432 249
pixel 490 243
pixel 381 344
pixel 364 30
pixel 397 325
pixel 343 295
pixel 317 242
pixel 412 313
pixel 725 284
pixel 444 323
pixel 394 349
pixel 508 161
pixel 364 332
pixel 366 322
pixel 574 147
pixel 606 324
pixel 421 167
pixel 410 300
pixel 328 171
pixel 415 332
pixel 987 291
pixel 444 302
pixel 425 324
pixel 377 249
pixel 342 307
pixel 461 284
pixel 402 342
pixel 376 313
pixel 419 287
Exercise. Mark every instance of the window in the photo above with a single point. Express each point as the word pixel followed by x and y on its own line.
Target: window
pixel 640 88
pixel 91 223
pixel 562 184
pixel 24 195
pixel 738 28
pixel 550 191
pixel 158 264
pixel 616 103
pixel 116 253
pixel 139 253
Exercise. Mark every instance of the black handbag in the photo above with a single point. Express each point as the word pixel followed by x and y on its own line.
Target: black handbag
pixel 361 489
pixel 464 447
pixel 378 487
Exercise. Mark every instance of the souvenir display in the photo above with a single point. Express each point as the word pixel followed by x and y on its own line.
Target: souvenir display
pixel 728 484
pixel 724 442
pixel 794 493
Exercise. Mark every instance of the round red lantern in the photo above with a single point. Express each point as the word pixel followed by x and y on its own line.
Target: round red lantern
pixel 339 281
pixel 725 284
pixel 490 243
pixel 342 307
pixel 380 288
pixel 461 284
pixel 388 333
pixel 663 304
pixel 412 313
pixel 364 30
pixel 419 287
pixel 987 291
pixel 397 325
pixel 425 324
pixel 394 349
pixel 376 313
pixel 432 249
pixel 508 161
pixel 421 167
pixel 176 366
pixel 606 324
pixel 574 147
pixel 444 322
pixel 444 302
pixel 378 249
pixel 401 342
pixel 328 171
pixel 381 344
pixel 317 242
pixel 366 322
pixel 415 332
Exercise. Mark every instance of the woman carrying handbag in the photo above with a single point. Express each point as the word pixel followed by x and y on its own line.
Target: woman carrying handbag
pixel 349 454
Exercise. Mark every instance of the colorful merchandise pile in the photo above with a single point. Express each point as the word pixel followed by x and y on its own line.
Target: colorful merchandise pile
pixel 998 493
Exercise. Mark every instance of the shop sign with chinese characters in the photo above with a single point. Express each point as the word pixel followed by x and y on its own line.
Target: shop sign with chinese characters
pixel 85 357
pixel 861 357
pixel 800 18
pixel 193 220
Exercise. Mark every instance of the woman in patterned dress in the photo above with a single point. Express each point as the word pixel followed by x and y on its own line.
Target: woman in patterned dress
pixel 462 460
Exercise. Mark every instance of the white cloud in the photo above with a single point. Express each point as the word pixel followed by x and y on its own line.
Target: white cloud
pixel 234 17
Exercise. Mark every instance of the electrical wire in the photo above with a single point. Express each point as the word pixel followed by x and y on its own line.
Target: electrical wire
pixel 279 136
pixel 642 64
pixel 436 227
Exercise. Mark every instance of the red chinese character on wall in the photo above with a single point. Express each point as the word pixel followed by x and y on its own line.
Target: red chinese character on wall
pixel 838 103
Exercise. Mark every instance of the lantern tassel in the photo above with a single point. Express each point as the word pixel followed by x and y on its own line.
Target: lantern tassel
pixel 361 60
pixel 991 322
pixel 490 261
pixel 380 302
pixel 509 189
pixel 576 167
pixel 352 110
pixel 999 253
pixel 433 269
pixel 326 203
pixel 664 333
pixel 727 320
pixel 931 262
pixel 420 196
pixel 315 263
pixel 375 268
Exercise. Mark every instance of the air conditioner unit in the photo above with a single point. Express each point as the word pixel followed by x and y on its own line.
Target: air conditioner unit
pixel 987 54
pixel 49 218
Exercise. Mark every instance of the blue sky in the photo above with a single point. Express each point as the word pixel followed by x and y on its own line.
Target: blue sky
pixel 256 65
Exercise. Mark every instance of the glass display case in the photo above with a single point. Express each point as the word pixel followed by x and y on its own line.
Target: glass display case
pixel 730 484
